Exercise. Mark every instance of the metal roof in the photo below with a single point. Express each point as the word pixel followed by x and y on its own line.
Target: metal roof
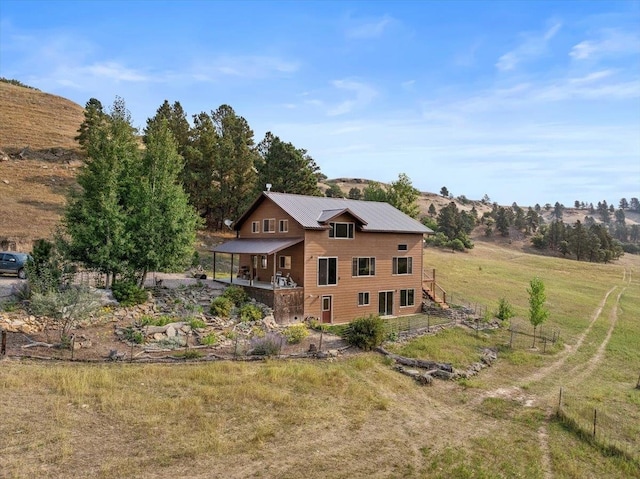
pixel 376 216
pixel 256 246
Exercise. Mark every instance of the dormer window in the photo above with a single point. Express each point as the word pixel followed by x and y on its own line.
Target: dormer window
pixel 341 230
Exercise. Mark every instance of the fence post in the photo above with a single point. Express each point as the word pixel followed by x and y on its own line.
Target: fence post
pixel 560 402
pixel 637 385
pixel 73 345
pixel 595 417
pixel 409 325
pixel 3 348
pixel 321 334
pixel 429 330
pixel 235 349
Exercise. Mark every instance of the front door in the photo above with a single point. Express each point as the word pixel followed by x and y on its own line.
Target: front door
pixel 326 309
pixel 385 303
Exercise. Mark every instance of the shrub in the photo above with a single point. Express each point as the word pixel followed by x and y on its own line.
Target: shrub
pixel 190 354
pixel 296 333
pixel 221 306
pixel 68 306
pixel 209 340
pixel 269 345
pixel 196 323
pixel 250 312
pixel 147 320
pixel 128 293
pixel 236 294
pixel 505 310
pixel 134 336
pixel 365 333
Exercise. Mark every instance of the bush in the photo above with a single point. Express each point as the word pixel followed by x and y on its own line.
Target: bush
pixel 269 345
pixel 133 336
pixel 250 312
pixel 221 307
pixel 236 294
pixel 296 333
pixel 365 333
pixel 68 306
pixel 209 340
pixel 128 293
pixel 196 323
pixel 159 321
pixel 505 310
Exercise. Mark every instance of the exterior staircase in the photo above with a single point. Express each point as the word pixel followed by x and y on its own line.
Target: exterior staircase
pixel 432 290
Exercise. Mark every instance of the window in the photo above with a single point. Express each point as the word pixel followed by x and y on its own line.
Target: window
pixel 341 230
pixel 255 227
pixel 364 267
pixel 407 297
pixel 269 225
pixel 403 265
pixel 402 247
pixel 327 271
pixel 284 262
pixel 363 298
pixel 283 226
pixel 263 262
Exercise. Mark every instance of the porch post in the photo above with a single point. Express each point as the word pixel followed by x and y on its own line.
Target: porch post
pixel 274 271
pixel 231 281
pixel 214 265
pixel 251 273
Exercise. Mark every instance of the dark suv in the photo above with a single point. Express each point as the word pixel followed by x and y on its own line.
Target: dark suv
pixel 13 263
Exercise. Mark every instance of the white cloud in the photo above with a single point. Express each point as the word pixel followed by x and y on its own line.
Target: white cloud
pixel 369 28
pixel 364 94
pixel 611 42
pixel 114 71
pixel 532 46
pixel 251 67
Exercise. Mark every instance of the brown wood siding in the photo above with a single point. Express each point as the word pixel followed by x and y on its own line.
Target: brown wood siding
pixel 382 246
pixel 304 266
pixel 268 209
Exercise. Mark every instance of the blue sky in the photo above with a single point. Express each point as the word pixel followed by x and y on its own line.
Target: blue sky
pixel 532 102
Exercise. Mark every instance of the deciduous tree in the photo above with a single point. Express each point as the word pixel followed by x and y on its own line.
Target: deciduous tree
pixel 538 314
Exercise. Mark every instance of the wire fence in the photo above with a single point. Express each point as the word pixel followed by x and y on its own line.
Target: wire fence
pixel 416 324
pixel 600 425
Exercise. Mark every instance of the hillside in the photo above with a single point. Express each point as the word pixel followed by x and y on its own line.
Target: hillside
pixel 39 159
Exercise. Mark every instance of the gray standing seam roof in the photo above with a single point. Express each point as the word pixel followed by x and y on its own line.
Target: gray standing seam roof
pixel 379 217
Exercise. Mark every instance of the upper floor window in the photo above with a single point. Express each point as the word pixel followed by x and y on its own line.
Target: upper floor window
pixel 407 297
pixel 283 226
pixel 255 227
pixel 269 225
pixel 403 265
pixel 341 230
pixel 327 271
pixel 402 247
pixel 364 267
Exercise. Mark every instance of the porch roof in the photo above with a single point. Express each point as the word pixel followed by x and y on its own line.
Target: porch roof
pixel 256 246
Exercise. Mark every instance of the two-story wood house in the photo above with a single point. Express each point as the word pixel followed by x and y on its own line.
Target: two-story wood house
pixel 334 259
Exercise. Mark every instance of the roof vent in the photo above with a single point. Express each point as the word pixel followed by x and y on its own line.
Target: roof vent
pixel 269 185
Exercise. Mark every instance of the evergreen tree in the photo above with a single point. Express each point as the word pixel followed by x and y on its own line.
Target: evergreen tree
pixel 432 210
pixel 444 191
pixel 355 193
pixel 334 191
pixel 634 205
pixel 287 168
pixel 624 204
pixel 95 219
pixel 94 117
pixel 374 192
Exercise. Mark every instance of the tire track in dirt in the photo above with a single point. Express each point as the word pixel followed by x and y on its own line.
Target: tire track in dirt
pixel 517 393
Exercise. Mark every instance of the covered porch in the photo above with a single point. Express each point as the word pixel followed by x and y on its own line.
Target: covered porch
pixel 252 264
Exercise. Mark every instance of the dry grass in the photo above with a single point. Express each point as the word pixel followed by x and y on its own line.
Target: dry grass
pixel 37 120
pixel 351 418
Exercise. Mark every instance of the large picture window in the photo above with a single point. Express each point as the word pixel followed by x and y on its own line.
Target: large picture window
pixel 341 230
pixel 364 267
pixel 403 265
pixel 327 271
pixel 407 297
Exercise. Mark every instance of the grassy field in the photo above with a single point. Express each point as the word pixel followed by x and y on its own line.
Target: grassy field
pixel 356 417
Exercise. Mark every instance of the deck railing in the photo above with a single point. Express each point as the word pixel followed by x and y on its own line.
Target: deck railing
pixel 432 288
